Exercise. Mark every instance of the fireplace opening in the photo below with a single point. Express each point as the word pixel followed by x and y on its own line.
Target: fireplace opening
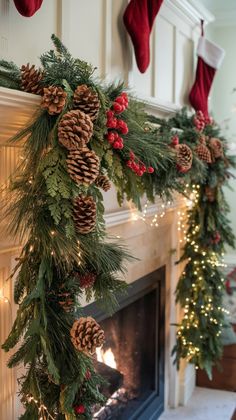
pixel 132 358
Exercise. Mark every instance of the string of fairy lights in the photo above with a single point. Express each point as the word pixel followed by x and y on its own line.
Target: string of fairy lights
pixel 207 309
pixel 42 409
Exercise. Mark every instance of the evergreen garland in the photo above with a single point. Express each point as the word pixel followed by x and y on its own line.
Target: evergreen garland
pixel 55 257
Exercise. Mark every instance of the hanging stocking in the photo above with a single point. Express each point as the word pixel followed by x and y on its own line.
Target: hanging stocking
pixel 28 8
pixel 138 19
pixel 210 57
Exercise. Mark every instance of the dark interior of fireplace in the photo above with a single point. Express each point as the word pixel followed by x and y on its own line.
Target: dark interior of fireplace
pixel 132 358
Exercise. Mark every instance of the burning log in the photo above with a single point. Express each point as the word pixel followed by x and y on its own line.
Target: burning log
pixel 113 377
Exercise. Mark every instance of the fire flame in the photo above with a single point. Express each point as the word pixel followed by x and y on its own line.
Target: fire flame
pixel 106 357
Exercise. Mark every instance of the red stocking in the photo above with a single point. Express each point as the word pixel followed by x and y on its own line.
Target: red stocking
pixel 210 57
pixel 28 8
pixel 138 19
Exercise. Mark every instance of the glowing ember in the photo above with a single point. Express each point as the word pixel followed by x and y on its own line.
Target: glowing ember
pixel 106 357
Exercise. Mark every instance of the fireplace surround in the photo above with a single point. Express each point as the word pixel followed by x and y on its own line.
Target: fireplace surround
pixel 135 340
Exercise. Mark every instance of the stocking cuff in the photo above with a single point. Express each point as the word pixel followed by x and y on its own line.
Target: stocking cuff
pixel 211 53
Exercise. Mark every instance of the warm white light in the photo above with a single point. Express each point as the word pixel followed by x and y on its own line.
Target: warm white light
pixel 106 357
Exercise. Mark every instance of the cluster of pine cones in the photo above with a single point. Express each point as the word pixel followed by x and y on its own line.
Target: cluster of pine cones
pixel 75 130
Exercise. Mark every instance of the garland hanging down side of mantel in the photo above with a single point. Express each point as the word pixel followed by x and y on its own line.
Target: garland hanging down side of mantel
pixel 84 136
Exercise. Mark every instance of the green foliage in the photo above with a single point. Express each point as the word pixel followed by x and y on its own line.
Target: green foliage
pixel 9 75
pixel 55 255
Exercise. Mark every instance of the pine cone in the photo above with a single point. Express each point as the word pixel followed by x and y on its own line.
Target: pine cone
pixel 83 165
pixel 184 157
pixel 202 151
pixel 86 335
pixel 86 280
pixel 103 182
pixel 66 301
pixel 30 79
pixel 54 99
pixel 87 101
pixel 216 148
pixel 84 214
pixel 75 130
pixel 210 193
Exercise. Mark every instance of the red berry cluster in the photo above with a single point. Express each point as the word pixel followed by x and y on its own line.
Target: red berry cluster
pixel 199 121
pixel 121 103
pixel 79 409
pixel 86 280
pixel 113 123
pixel 137 166
pixel 216 238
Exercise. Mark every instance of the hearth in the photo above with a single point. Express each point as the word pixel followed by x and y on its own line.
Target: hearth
pixel 132 359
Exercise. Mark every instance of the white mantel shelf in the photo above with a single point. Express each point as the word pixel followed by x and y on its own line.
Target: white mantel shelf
pixel 16 111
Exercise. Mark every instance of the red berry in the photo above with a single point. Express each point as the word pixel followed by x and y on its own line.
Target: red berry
pixel 110 114
pixel 79 409
pixel 175 140
pixel 111 137
pixel 117 108
pixel 131 155
pixel 122 126
pixel 150 170
pixel 116 144
pixel 129 164
pixel 120 100
pixel 111 123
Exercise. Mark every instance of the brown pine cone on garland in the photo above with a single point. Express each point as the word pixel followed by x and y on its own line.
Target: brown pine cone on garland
pixel 75 130
pixel 84 214
pixel 87 101
pixel 66 301
pixel 103 182
pixel 86 280
pixel 210 193
pixel 30 79
pixel 83 166
pixel 202 151
pixel 184 157
pixel 86 335
pixel 216 148
pixel 54 99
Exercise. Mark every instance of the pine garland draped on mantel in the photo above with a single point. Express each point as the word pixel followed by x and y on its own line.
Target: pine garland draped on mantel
pixel 84 136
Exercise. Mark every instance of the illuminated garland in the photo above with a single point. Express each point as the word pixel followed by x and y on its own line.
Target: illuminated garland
pixel 84 136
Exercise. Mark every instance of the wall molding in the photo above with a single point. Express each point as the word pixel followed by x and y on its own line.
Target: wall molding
pixel 120 217
pixel 16 110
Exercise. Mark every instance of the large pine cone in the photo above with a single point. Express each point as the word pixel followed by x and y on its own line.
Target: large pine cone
pixel 83 165
pixel 216 148
pixel 84 214
pixel 86 335
pixel 54 99
pixel 103 182
pixel 30 79
pixel 75 130
pixel 87 101
pixel 202 151
pixel 184 158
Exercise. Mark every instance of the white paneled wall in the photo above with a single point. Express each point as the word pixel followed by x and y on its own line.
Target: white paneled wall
pixel 94 31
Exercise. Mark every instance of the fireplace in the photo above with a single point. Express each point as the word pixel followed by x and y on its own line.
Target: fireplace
pixel 132 359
